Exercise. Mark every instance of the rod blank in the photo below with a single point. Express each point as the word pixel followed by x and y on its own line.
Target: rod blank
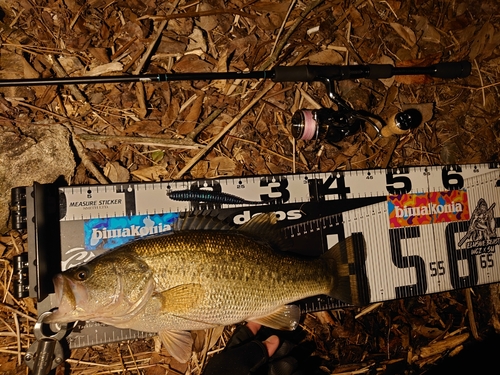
pixel 303 73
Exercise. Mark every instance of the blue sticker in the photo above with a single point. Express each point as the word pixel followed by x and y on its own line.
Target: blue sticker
pixel 108 233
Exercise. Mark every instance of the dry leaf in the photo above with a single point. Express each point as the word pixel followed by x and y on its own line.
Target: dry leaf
pixel 395 5
pixel 171 113
pixel 275 169
pixel 71 64
pixel 181 26
pixel 270 7
pixel 271 14
pixel 29 71
pixel 116 173
pixel 356 18
pixel 192 63
pixel 145 127
pixel 405 32
pixel 153 173
pixel 200 169
pixel 170 47
pixel 216 335
pixel 222 164
pixel 199 337
pixel 429 32
pixel 101 54
pixel 327 57
pixel 482 44
pixel 207 23
pixel 191 119
pixel 197 41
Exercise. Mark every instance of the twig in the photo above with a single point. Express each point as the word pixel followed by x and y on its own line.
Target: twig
pixel 7 285
pixel 470 314
pixel 369 309
pixel 82 153
pixel 274 56
pixel 133 358
pixel 10 309
pixel 194 133
pixel 267 150
pixel 154 40
pixel 123 48
pixel 151 141
pixel 18 339
pixel 482 83
pixel 140 92
pixel 203 13
pixel 60 72
pixel 227 128
pixel 292 4
pixel 74 123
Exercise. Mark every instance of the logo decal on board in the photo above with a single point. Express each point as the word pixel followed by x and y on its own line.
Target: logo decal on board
pixel 108 233
pixel 427 208
pixel 482 233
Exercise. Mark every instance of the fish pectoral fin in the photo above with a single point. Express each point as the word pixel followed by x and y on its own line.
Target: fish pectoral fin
pixel 286 317
pixel 178 343
pixel 182 298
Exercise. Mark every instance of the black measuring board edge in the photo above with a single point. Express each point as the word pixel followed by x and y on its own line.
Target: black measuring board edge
pixel 44 245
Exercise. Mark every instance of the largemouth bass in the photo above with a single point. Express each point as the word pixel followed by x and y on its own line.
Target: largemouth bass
pixel 197 279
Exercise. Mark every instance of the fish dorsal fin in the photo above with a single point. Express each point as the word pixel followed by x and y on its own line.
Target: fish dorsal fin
pixel 287 318
pixel 263 227
pixel 201 220
pixel 259 225
pixel 182 298
pixel 178 343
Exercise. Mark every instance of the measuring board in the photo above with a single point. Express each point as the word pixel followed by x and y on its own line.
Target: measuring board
pixel 426 229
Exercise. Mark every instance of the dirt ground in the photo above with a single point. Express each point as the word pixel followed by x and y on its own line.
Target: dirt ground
pixel 155 131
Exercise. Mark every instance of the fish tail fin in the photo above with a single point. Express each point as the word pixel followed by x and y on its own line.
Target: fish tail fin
pixel 347 262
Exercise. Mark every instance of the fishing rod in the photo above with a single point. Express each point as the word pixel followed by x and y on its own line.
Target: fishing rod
pixel 303 73
pixel 306 125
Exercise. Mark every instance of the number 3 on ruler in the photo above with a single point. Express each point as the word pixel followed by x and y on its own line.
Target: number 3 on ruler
pixel 279 189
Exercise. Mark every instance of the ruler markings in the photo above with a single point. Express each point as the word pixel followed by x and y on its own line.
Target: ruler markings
pixel 400 262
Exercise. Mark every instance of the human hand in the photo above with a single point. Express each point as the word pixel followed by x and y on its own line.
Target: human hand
pixel 244 355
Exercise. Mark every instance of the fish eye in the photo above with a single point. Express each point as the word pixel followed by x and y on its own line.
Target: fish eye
pixel 82 273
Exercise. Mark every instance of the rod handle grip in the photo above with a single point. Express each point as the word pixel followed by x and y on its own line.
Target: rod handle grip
pixel 459 69
pixel 303 73
pixel 309 73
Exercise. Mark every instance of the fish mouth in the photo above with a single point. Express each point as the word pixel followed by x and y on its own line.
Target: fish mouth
pixel 74 304
pixel 67 295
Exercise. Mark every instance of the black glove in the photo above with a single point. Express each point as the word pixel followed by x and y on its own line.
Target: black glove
pixel 245 354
